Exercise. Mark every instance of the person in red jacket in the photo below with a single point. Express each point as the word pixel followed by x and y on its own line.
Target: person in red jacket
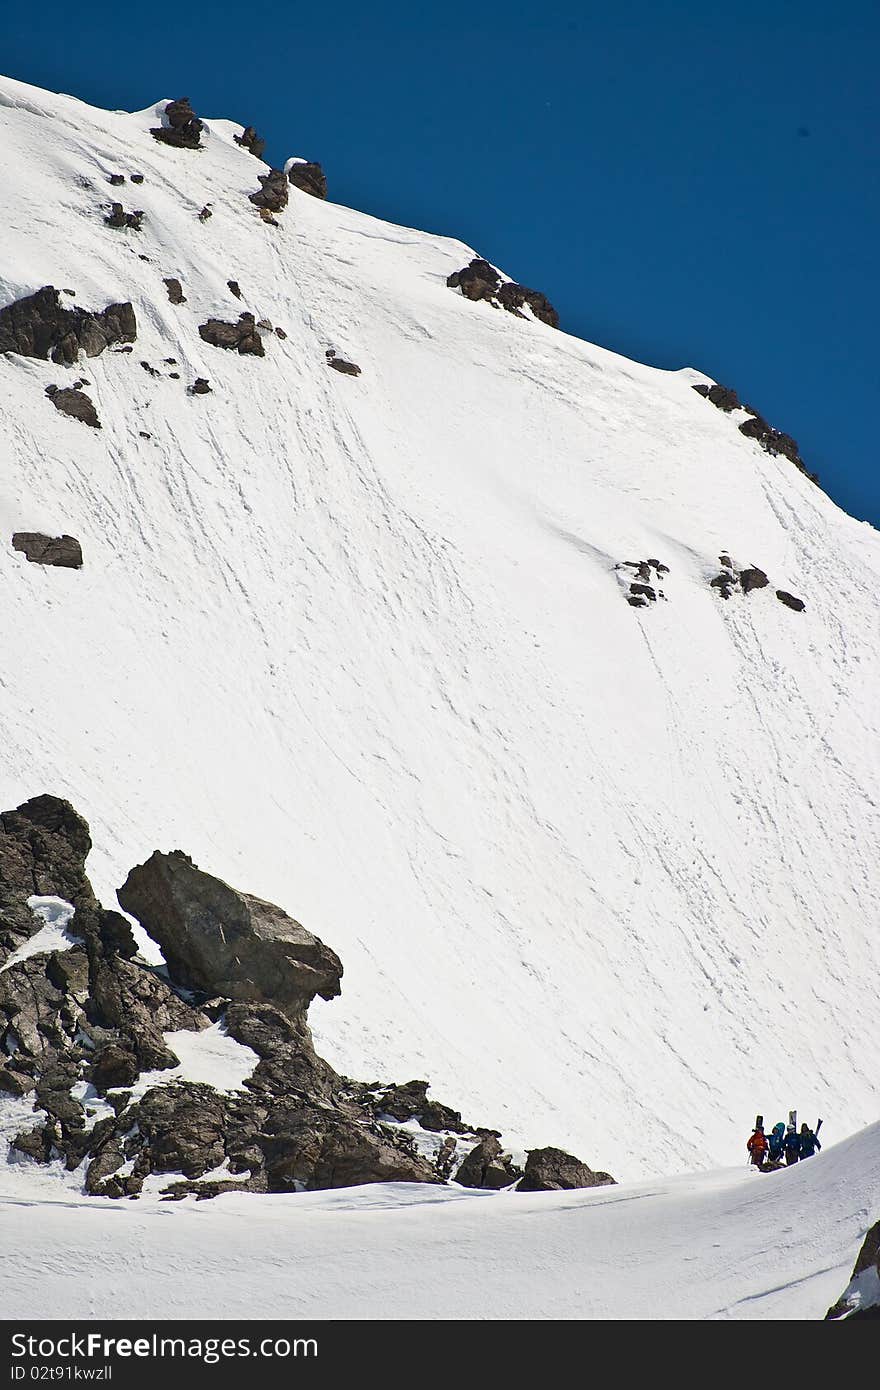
pixel 757 1146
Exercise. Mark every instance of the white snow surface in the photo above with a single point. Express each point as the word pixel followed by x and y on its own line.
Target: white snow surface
pixel 732 1244
pixel 607 877
pixel 55 913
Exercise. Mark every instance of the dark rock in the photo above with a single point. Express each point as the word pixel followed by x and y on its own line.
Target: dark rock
pixel 280 333
pixel 136 178
pixel 480 280
pixel 181 128
pixel 645 590
pixel 251 141
pixel 41 326
pixel 14 1083
pixel 205 213
pixel 773 441
pixel 790 601
pixel 153 371
pixel 63 551
pixel 726 561
pixel 113 1066
pixel 175 291
pixel 116 179
pixel 234 286
pixel 35 1143
pixel 849 1304
pixel 636 601
pixel 725 583
pixel 122 220
pixel 724 397
pixel 74 403
pixel 199 387
pixel 274 192
pixel 228 943
pixel 410 1102
pixel 142 434
pixel 308 1148
pixel 339 364
pixel 553 1170
pixel 487 1166
pixel 753 579
pixel 243 336
pixel 309 177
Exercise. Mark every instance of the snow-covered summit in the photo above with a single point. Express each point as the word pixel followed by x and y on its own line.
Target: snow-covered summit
pixel 605 873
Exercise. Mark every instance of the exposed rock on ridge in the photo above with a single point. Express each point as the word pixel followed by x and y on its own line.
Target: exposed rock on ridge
pixel 39 325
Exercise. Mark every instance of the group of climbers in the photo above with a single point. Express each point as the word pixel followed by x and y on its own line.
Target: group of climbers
pixel 784 1145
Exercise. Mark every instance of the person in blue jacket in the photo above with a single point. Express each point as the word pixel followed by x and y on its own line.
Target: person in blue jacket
pixel 777 1142
pixel 792 1145
pixel 809 1141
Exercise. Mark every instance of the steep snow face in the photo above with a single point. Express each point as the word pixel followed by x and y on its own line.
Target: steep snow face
pixel 607 876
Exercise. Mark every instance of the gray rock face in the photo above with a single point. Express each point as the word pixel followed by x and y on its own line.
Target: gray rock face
pixel 222 942
pixel 41 326
pixel 552 1170
pixel 309 177
pixel 242 337
pixel 64 551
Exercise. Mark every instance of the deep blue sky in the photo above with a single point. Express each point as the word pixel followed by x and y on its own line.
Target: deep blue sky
pixel 690 185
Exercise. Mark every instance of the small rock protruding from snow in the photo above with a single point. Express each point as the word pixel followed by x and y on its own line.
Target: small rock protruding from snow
pixel 790 601
pixel 122 220
pixel 251 141
pixel 480 280
pixel 175 290
pixel 339 364
pixel 180 127
pixel 273 194
pixel 243 336
pixel 74 403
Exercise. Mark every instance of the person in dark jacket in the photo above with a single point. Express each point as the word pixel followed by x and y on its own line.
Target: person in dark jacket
pixel 776 1143
pixel 792 1145
pixel 809 1141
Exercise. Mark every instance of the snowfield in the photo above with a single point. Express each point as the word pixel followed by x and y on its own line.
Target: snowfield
pixel 606 876
pixel 731 1244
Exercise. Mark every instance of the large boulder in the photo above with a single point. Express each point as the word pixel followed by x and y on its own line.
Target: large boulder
pixel 308 176
pixel 64 551
pixel 75 403
pixel 242 337
pixel 180 127
pixel 39 325
pixel 222 942
pixel 273 194
pixel 554 1170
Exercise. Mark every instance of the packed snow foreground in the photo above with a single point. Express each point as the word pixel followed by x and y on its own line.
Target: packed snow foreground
pixel 540 683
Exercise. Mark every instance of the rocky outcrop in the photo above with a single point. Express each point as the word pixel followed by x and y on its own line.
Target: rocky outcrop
pixel 642 587
pixel 553 1170
pixel 339 364
pixel 175 290
pixel 481 281
pixel 724 397
pixel 251 141
pixel 41 326
pixel 308 176
pixel 756 427
pixel 861 1298
pixel 122 220
pixel 63 551
pixel 181 127
pixel 223 942
pixel 273 194
pixel 72 401
pixel 90 1017
pixel 200 387
pixel 730 579
pixel 242 337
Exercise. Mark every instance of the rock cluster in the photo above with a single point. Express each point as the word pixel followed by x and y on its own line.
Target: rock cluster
pixel 480 280
pixel 643 587
pixel 71 400
pixel 183 129
pixel 80 1026
pixel 242 337
pixel 308 176
pixel 756 427
pixel 63 551
pixel 251 141
pixel 122 220
pixel 273 194
pixel 39 325
pixel 729 579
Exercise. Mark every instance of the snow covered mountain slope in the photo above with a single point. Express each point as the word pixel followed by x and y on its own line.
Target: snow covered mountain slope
pixel 606 876
pixel 724 1245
